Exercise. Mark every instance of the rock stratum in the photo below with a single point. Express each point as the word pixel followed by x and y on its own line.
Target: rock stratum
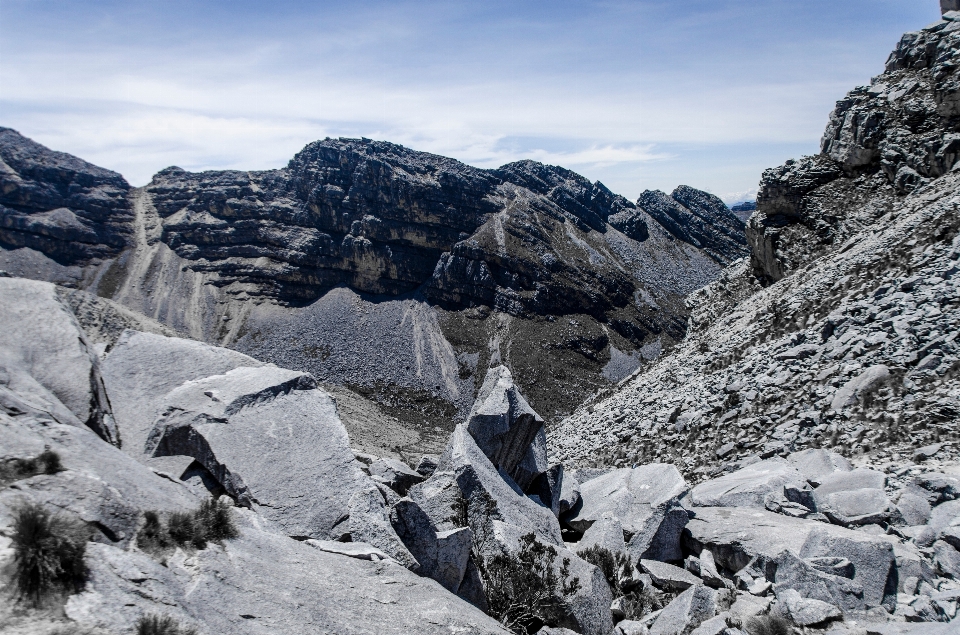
pixel 399 275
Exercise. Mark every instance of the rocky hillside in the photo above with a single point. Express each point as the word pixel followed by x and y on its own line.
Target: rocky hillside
pixel 396 274
pixel 840 331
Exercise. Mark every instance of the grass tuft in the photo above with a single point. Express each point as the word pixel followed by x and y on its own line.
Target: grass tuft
pixel 48 553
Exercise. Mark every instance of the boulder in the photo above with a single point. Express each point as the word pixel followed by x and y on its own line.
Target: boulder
pixel 752 486
pixel 243 424
pixel 396 474
pixel 646 501
pixel 945 515
pixel 802 576
pixel 427 464
pixel 854 498
pixel 686 612
pixel 913 506
pixel 442 555
pixel 815 464
pixel 546 488
pixel 858 387
pixel 873 559
pixel 225 590
pixel 668 576
pixel 46 363
pixel 947 559
pixel 708 570
pixel 569 492
pixel 803 611
pixel 142 368
pixel 940 487
pixel 631 627
pixel 606 533
pixel 369 522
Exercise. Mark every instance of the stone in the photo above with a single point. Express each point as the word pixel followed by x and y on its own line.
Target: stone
pixel 854 498
pixel 943 487
pixel 686 612
pixel 668 576
pixel 708 570
pixel 631 627
pixel 369 522
pixel 427 465
pixel 804 611
pixel 858 387
pixel 546 488
pixel 555 630
pixel 241 425
pixel 223 590
pixel 947 559
pixel 793 573
pixel 606 533
pixel 397 475
pixel 873 560
pixel 713 626
pixel 46 363
pixel 926 452
pixel 750 486
pixel 815 464
pixel 569 492
pixel 360 550
pixel 442 555
pixel 945 514
pixel 747 606
pixel 913 507
pixel 646 501
pixel 507 429
pixel 142 368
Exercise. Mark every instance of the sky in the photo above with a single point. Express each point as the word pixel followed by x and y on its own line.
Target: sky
pixel 648 94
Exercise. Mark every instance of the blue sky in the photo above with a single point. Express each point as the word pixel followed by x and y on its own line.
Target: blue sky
pixel 640 95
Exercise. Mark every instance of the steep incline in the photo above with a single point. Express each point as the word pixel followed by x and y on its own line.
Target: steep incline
pixel 853 343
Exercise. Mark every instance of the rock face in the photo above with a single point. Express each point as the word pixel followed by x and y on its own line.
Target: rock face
pixel 399 273
pixel 60 205
pixel 48 366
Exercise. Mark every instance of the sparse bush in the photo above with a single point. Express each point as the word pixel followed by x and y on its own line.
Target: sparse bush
pixel 768 625
pixel 161 625
pixel 48 553
pixel 214 521
pixel 525 589
pixel 211 522
pixel 47 462
pixel 183 530
pixel 617 568
pixel 152 537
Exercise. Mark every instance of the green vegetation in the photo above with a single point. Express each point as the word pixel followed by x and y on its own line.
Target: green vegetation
pixel 211 522
pixel 48 553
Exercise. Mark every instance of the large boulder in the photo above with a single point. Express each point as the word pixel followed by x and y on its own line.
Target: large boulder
pixel 142 368
pixel 645 500
pixel 606 533
pixel 854 498
pixel 260 584
pixel 369 522
pixel 814 464
pixel 442 555
pixel 686 612
pixel 804 611
pixel 773 480
pixel 272 440
pixel 873 560
pixel 507 429
pixel 46 363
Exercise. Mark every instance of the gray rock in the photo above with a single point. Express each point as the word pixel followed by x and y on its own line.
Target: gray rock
pixel 873 560
pixel 442 555
pixel 913 507
pixel 815 464
pixel 686 612
pixel 142 368
pixel 708 570
pixel 369 522
pixel 398 476
pixel 546 488
pixel 46 364
pixel 507 429
pixel 631 627
pixel 645 500
pixel 359 550
pixel 751 486
pixel 427 465
pixel 569 492
pixel 792 573
pixel 941 487
pixel 714 626
pixel 858 387
pixel 945 514
pixel 804 611
pixel 947 559
pixel 606 533
pixel 555 630
pixel 854 498
pixel 241 425
pixel 926 452
pixel 225 590
pixel 668 576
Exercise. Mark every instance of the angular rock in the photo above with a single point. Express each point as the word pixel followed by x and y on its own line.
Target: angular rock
pixel 142 368
pixel 854 498
pixel 860 386
pixel 751 486
pixel 913 507
pixel 427 465
pixel 241 425
pixel 686 612
pixel 397 475
pixel 873 560
pixel 645 500
pixel 46 363
pixel 815 464
pixel 668 576
pixel 369 522
pixel 359 550
pixel 606 533
pixel 804 611
pixel 947 559
pixel 945 515
pixel 442 555
pixel 708 571
pixel 714 626
pixel 940 487
pixel 569 492
pixel 507 429
pixel 793 573
pixel 546 488
pixel 631 627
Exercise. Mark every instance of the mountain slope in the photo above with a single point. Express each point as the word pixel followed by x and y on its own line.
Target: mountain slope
pixel 841 330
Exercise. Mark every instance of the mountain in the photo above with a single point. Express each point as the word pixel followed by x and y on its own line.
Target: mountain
pixel 397 274
pixel 840 331
pixel 744 210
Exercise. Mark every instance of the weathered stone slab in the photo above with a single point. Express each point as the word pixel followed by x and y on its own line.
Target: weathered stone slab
pixel 815 464
pixel 606 533
pixel 751 486
pixel 396 474
pixel 803 611
pixel 442 555
pixel 668 576
pixel 686 612
pixel 243 425
pixel 854 498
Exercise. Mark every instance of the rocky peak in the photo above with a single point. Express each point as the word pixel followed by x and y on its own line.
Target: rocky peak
pixel 59 204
